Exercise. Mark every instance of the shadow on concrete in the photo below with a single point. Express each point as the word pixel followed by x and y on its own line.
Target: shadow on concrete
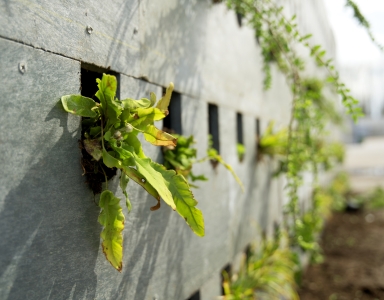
pixel 52 241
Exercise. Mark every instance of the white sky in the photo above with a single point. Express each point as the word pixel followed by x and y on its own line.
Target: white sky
pixel 352 42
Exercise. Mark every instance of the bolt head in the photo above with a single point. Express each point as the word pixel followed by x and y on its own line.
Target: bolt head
pixel 22 67
pixel 89 29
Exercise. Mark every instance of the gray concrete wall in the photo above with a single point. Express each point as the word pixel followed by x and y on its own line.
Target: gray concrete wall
pixel 50 245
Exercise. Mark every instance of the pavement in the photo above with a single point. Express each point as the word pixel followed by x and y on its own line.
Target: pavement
pixel 365 164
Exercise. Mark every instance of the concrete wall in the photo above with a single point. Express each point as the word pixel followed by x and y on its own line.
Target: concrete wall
pixel 50 245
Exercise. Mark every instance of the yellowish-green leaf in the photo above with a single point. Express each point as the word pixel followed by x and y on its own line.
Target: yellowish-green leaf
pixel 183 199
pixel 79 105
pixel 107 89
pixel 158 137
pixel 112 219
pixel 146 116
pixel 140 179
pixel 164 102
pixel 132 104
pixel 153 98
pixel 145 166
pixel 151 112
pixel 106 94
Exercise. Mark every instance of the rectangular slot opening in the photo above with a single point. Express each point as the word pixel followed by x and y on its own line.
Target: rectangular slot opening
pixel 257 128
pixel 239 125
pixel 239 18
pixel 240 137
pixel 213 125
pixel 195 296
pixel 89 73
pixel 228 271
pixel 247 253
pixel 172 122
pixel 95 177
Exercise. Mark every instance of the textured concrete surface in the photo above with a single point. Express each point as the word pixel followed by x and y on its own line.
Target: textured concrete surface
pixel 50 246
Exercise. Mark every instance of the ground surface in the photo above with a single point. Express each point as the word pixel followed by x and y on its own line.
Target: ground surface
pixel 353 245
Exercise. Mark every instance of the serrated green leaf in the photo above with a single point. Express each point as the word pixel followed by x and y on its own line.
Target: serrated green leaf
pixel 164 102
pixel 112 219
pixel 79 105
pixel 106 94
pixel 158 137
pixel 107 89
pixel 183 199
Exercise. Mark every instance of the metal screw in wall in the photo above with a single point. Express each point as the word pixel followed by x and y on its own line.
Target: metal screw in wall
pixel 22 67
pixel 89 29
pixel 155 297
pixel 135 30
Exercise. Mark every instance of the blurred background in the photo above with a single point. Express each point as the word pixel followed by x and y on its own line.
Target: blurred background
pixel 361 65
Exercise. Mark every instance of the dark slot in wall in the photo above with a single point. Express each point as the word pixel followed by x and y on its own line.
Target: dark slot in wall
pixel 239 128
pixel 89 73
pixel 172 122
pixel 258 128
pixel 195 296
pixel 213 125
pixel 227 269
pixel 93 170
pixel 239 18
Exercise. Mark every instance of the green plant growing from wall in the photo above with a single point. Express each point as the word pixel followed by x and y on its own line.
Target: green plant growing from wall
pixel 267 273
pixel 182 157
pixel 240 148
pixel 111 128
pixel 272 143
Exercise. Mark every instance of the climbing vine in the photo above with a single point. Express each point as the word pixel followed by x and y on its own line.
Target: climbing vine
pixel 279 37
pixel 363 22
